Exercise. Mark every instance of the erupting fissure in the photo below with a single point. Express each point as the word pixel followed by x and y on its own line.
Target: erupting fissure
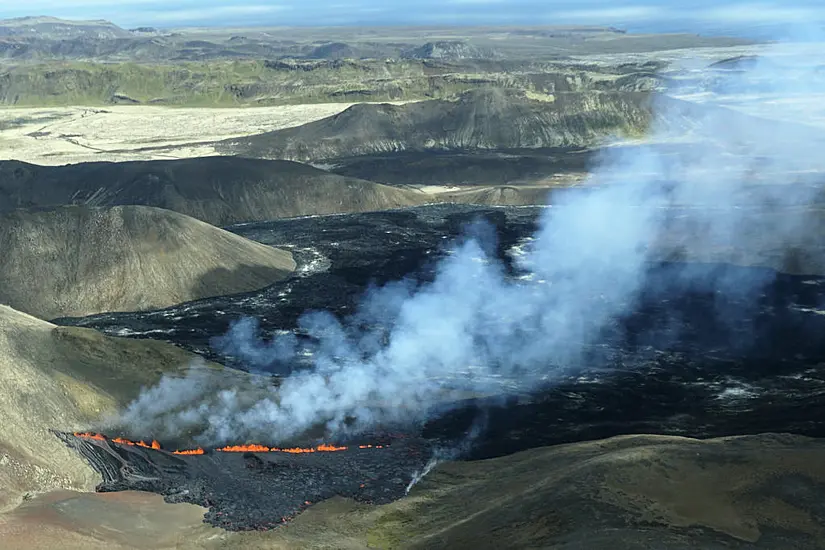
pixel 100 437
pixel 253 448
pixel 264 449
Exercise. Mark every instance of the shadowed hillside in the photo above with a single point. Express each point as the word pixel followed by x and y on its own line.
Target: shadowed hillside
pixel 472 169
pixel 79 260
pixel 217 190
pixel 480 119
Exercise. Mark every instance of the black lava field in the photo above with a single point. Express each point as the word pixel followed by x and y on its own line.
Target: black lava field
pixel 693 362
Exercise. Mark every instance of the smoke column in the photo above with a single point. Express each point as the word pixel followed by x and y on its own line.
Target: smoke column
pixel 730 188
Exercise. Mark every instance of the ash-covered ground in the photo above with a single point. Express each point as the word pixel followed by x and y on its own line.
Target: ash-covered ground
pixel 258 490
pixel 696 362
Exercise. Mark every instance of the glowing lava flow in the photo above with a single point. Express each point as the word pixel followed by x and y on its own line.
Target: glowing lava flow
pixel 293 450
pixel 197 451
pixel 90 435
pixel 119 440
pixel 244 449
pixel 252 448
pixel 154 445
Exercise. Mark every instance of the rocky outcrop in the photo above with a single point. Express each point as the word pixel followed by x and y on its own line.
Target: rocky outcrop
pixel 446 49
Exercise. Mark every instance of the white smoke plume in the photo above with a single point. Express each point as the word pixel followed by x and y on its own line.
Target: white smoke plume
pixel 735 191
pixel 447 453
pixel 421 474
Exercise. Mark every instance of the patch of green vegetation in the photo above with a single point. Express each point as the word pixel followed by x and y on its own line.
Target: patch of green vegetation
pixel 398 524
pixel 390 530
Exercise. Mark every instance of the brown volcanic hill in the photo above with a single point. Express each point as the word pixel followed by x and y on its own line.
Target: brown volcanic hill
pixel 63 378
pixel 479 119
pixel 623 493
pixel 217 190
pixel 76 261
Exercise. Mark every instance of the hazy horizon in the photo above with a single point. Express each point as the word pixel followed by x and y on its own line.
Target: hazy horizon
pixel 704 16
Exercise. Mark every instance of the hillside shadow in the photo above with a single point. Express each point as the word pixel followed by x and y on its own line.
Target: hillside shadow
pixel 244 278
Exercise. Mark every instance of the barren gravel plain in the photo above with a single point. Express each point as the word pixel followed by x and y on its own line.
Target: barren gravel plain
pixel 68 135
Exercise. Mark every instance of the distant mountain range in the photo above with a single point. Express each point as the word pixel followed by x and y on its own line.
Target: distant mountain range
pixel 40 38
pixel 52 28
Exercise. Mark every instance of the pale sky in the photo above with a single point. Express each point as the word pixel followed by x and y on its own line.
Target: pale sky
pixel 671 14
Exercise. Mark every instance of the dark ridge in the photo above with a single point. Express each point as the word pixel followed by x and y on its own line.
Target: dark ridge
pixel 739 63
pixel 334 50
pixel 482 119
pixel 217 190
pixel 637 82
pixel 474 168
pixel 308 65
pixel 449 49
pixel 121 99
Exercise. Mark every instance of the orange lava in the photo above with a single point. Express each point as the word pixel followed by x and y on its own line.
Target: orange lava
pixel 89 435
pixel 330 448
pixel 153 445
pixel 244 449
pixel 253 448
pixel 293 450
pixel 197 451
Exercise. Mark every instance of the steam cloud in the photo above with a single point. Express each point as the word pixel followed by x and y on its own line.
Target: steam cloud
pixel 733 192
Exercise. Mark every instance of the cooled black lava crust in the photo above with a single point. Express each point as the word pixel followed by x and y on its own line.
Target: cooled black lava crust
pixel 737 352
pixel 695 362
pixel 342 254
pixel 256 491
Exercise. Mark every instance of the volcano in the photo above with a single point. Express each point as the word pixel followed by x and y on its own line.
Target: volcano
pixel 253 486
